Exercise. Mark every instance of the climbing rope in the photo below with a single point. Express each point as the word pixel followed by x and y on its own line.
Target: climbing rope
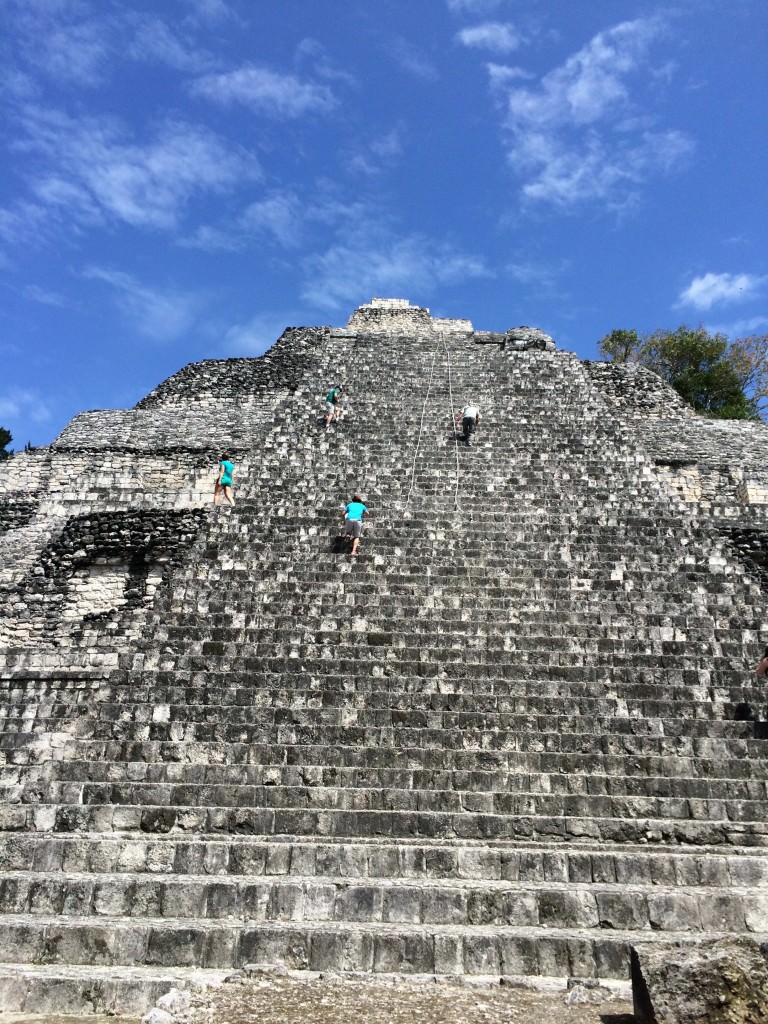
pixel 456 507
pixel 421 425
pixel 440 341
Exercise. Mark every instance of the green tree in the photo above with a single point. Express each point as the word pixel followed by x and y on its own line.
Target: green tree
pixel 5 440
pixel 750 358
pixel 620 346
pixel 699 366
pixel 718 378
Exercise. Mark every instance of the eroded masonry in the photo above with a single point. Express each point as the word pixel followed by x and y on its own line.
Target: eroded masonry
pixel 515 736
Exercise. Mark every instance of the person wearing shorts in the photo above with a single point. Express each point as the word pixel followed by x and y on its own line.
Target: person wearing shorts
pixel 224 481
pixel 332 405
pixel 353 521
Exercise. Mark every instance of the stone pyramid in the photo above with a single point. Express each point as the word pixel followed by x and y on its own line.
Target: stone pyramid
pixel 517 734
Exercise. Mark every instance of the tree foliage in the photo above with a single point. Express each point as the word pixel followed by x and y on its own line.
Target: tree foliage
pixel 620 346
pixel 719 378
pixel 750 358
pixel 5 440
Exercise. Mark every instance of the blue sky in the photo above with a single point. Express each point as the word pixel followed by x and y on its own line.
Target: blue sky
pixel 182 179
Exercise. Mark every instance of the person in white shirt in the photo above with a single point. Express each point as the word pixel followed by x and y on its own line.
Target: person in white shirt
pixel 469 417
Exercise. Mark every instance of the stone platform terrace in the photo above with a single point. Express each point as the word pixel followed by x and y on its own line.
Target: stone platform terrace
pixel 508 739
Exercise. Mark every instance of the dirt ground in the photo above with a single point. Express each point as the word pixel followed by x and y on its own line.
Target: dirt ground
pixel 277 999
pixel 333 1001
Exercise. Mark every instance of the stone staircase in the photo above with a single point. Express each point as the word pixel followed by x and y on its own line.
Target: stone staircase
pixel 501 741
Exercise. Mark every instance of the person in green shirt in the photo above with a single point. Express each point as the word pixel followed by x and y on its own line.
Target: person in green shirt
pixel 332 405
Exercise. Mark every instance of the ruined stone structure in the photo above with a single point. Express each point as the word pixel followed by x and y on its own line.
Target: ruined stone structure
pixel 515 736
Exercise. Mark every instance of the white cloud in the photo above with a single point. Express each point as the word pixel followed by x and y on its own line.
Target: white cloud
pixel 497 36
pixel 157 314
pixel 412 59
pixel 91 172
pixel 257 334
pixel 23 402
pixel 24 220
pixel 375 155
pixel 741 328
pixel 153 40
pixel 279 214
pixel 501 75
pixel 344 273
pixel 538 276
pixel 716 289
pixel 210 238
pixel 278 95
pixel 472 6
pixel 592 171
pixel 579 135
pixel 45 297
pixel 62 42
pixel 209 11
pixel 285 217
pixel 312 54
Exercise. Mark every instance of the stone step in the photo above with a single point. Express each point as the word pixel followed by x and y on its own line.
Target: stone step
pixel 723 800
pixel 240 898
pixel 520 732
pixel 416 696
pixel 534 822
pixel 625 699
pixel 326 945
pixel 81 990
pixel 63 778
pixel 29 747
pixel 153 762
pixel 217 856
pixel 271 712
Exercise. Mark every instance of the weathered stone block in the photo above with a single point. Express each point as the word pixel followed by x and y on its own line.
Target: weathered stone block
pixel 718 982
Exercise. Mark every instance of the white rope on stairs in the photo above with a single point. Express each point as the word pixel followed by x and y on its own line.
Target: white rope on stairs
pixel 456 507
pixel 440 341
pixel 421 425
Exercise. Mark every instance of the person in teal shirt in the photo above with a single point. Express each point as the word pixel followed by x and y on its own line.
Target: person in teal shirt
pixel 224 481
pixel 353 521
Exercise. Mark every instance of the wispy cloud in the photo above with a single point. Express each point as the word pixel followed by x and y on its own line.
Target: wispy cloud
pixel 257 334
pixel 24 220
pixel 373 156
pixel 539 277
pixel 155 41
pixel 717 289
pixel 162 315
pixel 90 170
pixel 579 135
pixel 501 75
pixel 498 36
pixel 268 92
pixel 473 6
pixel 412 59
pixel 741 328
pixel 46 297
pixel 209 11
pixel 285 218
pixel 62 41
pixel 23 402
pixel 351 273
pixel 279 214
